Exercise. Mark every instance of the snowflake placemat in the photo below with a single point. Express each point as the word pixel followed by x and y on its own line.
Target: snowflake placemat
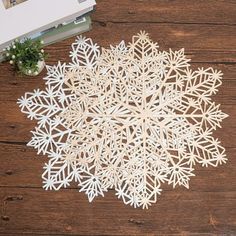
pixel 129 117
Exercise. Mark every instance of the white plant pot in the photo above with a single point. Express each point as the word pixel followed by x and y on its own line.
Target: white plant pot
pixel 40 64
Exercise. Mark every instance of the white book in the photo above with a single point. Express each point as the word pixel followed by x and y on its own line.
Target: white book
pixel 63 31
pixel 20 18
pixel 54 35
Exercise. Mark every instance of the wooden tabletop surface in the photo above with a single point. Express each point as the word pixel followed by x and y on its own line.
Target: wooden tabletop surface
pixel 207 31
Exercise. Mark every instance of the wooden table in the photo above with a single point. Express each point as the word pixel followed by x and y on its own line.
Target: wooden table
pixel 207 31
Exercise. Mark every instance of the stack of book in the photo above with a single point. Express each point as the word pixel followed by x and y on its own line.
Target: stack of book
pixel 50 21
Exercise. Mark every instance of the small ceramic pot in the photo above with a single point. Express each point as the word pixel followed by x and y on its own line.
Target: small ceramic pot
pixel 40 64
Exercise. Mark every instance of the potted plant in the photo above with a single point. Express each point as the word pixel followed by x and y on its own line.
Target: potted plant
pixel 26 56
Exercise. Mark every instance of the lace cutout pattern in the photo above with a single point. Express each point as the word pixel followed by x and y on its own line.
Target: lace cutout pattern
pixel 129 117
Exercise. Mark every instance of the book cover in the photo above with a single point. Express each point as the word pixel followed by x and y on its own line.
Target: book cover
pixel 24 17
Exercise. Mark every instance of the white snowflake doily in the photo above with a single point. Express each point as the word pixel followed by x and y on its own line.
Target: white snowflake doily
pixel 129 118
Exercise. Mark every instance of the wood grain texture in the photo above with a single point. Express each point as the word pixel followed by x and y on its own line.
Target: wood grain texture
pixel 15 173
pixel 34 211
pixel 207 31
pixel 166 11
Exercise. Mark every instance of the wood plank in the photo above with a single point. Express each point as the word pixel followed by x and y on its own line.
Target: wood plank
pixel 190 37
pixel 219 42
pixel 162 11
pixel 22 167
pixel 181 212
